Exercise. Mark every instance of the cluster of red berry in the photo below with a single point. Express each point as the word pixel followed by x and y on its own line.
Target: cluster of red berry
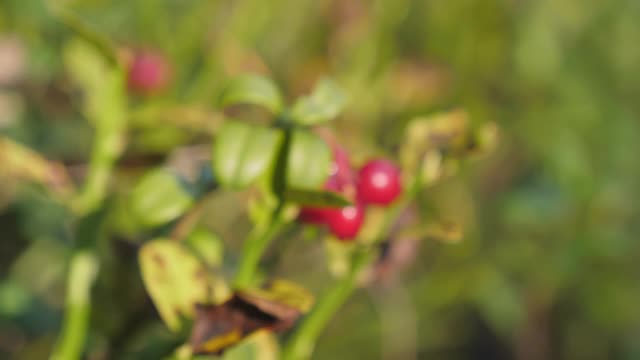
pixel 377 182
pixel 148 73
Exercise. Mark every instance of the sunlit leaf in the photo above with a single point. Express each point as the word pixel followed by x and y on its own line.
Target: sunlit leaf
pixel 324 104
pixel 309 161
pixel 252 89
pixel 279 294
pixel 160 197
pixel 102 83
pixel 207 245
pixel 175 280
pixel 242 152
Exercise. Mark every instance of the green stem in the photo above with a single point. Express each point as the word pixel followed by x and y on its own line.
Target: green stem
pixel 303 341
pixel 106 150
pixel 82 274
pixel 255 245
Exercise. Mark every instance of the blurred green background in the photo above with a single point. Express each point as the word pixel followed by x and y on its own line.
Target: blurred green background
pixel 547 267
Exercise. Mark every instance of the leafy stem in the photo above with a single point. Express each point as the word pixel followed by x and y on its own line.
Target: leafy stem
pixel 303 341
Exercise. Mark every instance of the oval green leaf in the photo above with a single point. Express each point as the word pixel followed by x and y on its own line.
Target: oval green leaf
pixel 207 245
pixel 242 152
pixel 252 89
pixel 325 103
pixel 309 161
pixel 159 197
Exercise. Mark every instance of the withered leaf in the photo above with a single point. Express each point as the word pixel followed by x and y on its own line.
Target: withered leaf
pixel 275 307
pixel 435 145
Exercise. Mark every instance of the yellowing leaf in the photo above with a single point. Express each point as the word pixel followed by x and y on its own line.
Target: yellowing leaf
pixel 175 280
pixel 435 145
pixel 282 292
pixel 432 133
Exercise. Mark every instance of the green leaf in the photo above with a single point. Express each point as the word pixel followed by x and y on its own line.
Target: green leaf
pixel 207 245
pixel 316 198
pixel 159 197
pixel 175 280
pixel 102 83
pixel 252 89
pixel 324 104
pixel 242 152
pixel 282 292
pixel 309 161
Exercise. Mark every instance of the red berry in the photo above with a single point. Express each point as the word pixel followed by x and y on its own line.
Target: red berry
pixel 345 223
pixel 379 182
pixel 148 73
pixel 339 180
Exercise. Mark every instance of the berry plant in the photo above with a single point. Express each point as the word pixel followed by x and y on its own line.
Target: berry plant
pixel 276 157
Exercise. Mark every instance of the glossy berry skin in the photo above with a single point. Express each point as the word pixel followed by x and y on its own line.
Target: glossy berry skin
pixel 379 182
pixel 148 73
pixel 345 223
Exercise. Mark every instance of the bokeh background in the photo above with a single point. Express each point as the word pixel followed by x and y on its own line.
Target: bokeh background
pixel 547 267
